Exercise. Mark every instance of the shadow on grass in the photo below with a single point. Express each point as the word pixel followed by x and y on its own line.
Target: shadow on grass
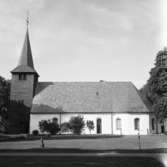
pixel 74 150
pixel 80 161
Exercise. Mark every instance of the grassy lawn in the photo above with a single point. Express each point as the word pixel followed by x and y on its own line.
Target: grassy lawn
pixel 154 143
pixel 105 143
pixel 50 161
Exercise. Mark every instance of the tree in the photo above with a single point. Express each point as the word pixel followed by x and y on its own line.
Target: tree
pixel 65 127
pixel 18 117
pixel 154 93
pixel 50 126
pixel 4 102
pixel 77 124
pixel 4 92
pixel 160 110
pixel 90 125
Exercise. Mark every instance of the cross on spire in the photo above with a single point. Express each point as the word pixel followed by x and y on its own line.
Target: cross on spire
pixel 27 19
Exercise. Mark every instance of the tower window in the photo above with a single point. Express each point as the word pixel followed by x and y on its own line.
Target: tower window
pixel 22 77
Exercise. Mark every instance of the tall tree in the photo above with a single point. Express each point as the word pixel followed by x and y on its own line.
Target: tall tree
pixel 154 93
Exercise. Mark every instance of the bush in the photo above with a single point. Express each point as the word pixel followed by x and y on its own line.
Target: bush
pixel 35 132
pixel 65 127
pixel 76 124
pixel 49 126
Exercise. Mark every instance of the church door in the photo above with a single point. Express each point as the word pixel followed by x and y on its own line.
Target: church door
pixel 98 126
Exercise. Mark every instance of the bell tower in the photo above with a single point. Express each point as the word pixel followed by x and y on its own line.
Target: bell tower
pixel 24 76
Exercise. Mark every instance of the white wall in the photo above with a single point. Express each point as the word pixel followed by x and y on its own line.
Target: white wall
pixel 127 121
pixel 106 121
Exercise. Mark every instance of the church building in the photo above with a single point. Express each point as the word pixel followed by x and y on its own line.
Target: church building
pixel 114 107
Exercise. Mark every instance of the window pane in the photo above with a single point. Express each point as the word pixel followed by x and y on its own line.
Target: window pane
pixel 136 124
pixel 118 124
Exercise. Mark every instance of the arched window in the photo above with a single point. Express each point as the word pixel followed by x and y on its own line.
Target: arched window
pixel 137 124
pixel 118 123
pixel 98 125
pixel 153 124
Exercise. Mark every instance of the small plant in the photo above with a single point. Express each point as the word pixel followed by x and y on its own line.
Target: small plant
pixel 90 125
pixel 77 124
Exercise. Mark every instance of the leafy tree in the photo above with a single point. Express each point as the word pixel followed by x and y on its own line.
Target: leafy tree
pixel 160 110
pixel 90 125
pixel 49 126
pixel 4 101
pixel 18 117
pixel 77 124
pixel 4 92
pixel 154 93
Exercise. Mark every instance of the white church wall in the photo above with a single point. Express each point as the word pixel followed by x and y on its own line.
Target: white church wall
pixel 105 118
pixel 127 124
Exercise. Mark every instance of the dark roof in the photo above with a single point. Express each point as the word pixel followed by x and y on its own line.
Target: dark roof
pixel 26 54
pixel 87 97
pixel 26 61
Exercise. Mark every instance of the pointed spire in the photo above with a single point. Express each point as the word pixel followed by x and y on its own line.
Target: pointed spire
pixel 26 54
pixel 26 60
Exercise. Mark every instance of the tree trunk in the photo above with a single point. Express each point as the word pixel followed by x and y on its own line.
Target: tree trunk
pixel 90 131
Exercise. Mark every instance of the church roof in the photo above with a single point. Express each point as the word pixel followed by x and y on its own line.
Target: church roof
pixel 26 61
pixel 87 97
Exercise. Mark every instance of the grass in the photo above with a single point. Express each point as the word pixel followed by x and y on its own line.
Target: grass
pixel 95 143
pixel 86 144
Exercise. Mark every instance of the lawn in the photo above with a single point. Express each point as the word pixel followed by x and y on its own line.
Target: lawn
pixel 125 144
pixel 105 143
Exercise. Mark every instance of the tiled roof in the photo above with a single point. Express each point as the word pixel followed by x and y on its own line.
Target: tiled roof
pixel 87 97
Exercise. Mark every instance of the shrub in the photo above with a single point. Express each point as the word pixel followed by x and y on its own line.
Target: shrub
pixel 77 124
pixel 49 126
pixel 90 125
pixel 65 127
pixel 35 132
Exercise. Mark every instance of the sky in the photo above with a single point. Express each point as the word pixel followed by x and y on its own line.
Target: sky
pixel 84 40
